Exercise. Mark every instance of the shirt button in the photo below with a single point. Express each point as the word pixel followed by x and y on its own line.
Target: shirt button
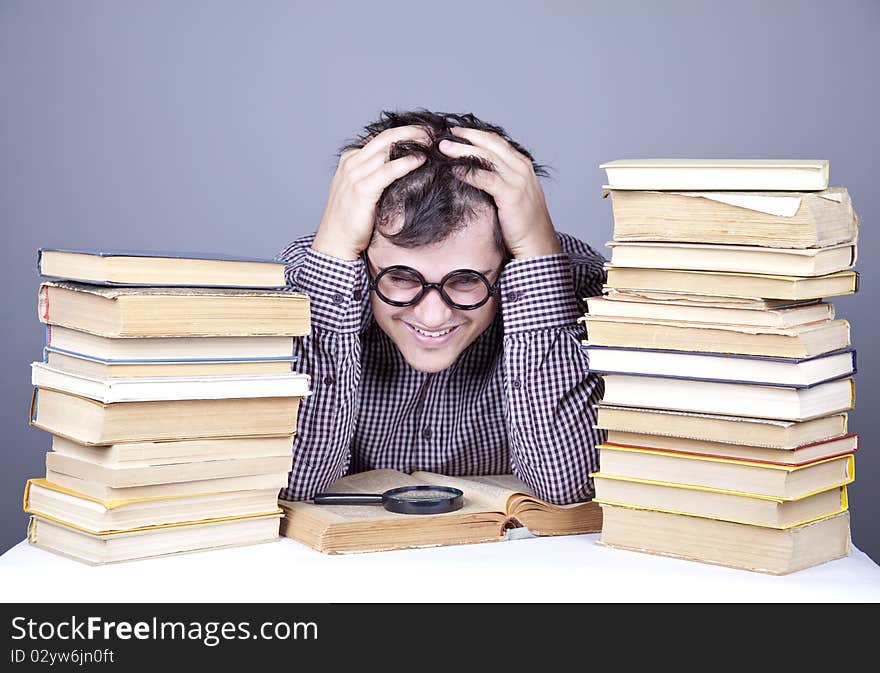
pixel 426 433
pixel 517 384
pixel 357 294
pixel 513 296
pixel 329 380
pixel 338 299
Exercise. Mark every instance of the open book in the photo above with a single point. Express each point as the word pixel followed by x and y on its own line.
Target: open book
pixel 493 504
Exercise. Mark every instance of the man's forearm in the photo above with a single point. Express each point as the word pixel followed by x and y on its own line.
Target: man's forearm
pixel 326 422
pixel 331 356
pixel 549 395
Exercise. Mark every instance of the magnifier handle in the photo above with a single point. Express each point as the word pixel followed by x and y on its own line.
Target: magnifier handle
pixel 348 499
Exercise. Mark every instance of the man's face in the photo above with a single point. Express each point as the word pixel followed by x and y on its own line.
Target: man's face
pixel 414 329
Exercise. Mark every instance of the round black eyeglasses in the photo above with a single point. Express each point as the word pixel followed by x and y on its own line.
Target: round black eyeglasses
pixel 399 285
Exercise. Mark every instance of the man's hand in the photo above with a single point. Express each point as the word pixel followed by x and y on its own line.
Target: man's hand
pixel 361 177
pixel 522 210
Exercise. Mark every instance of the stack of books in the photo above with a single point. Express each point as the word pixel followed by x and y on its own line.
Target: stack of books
pixel 728 377
pixel 169 391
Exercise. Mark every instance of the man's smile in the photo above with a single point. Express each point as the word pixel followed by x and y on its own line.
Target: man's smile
pixel 431 338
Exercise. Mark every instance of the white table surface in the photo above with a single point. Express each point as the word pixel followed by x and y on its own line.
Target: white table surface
pixel 551 569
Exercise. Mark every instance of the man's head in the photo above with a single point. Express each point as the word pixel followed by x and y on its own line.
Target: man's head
pixel 435 223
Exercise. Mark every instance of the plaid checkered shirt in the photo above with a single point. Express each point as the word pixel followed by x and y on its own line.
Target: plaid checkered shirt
pixel 517 400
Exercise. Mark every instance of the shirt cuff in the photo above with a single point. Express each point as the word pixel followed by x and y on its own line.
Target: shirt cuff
pixel 538 293
pixel 336 290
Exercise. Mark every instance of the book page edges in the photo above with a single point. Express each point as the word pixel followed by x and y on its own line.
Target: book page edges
pixel 109 533
pixel 608 266
pixel 714 518
pixel 697 454
pixel 675 245
pixel 108 504
pixel 781 205
pixel 795 331
pixel 782 423
pixel 724 491
pixel 114 292
pixel 734 461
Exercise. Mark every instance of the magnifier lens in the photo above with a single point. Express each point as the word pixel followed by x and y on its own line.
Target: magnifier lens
pixel 422 499
pixel 413 494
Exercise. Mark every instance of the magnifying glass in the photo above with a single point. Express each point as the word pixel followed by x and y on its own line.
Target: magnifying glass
pixel 422 499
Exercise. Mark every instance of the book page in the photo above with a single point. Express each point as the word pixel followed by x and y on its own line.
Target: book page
pixel 775 204
pixel 490 492
pixel 379 481
pixel 496 488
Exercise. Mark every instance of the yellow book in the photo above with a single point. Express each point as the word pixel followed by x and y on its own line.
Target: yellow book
pixel 775 551
pixel 96 516
pixel 149 542
pixel 785 482
pixel 714 503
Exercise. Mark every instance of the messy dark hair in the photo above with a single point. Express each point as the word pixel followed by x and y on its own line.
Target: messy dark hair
pixel 433 201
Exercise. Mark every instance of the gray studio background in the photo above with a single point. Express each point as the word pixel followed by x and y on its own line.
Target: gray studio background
pixel 179 125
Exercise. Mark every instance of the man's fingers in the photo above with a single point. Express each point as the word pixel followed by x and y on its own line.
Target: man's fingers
pixel 489 181
pixel 494 142
pixel 453 149
pixel 381 143
pixel 458 150
pixel 376 181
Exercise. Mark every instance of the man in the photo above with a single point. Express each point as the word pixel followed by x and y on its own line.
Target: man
pixel 444 315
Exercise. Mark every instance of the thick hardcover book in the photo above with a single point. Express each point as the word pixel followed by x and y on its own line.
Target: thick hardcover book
pixel 736 448
pixel 795 220
pixel 799 341
pixel 773 480
pixel 148 473
pixel 100 490
pixel 160 268
pixel 78 363
pixel 783 175
pixel 97 516
pixel 726 429
pixel 493 505
pixel 690 309
pixel 735 399
pixel 775 551
pixel 173 311
pixel 713 503
pixel 756 369
pixel 144 389
pixel 149 542
pixel 733 258
pixel 724 283
pixel 92 423
pixel 125 454
pixel 142 350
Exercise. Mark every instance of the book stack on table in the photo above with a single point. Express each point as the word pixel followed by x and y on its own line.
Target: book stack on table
pixel 728 376
pixel 169 389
